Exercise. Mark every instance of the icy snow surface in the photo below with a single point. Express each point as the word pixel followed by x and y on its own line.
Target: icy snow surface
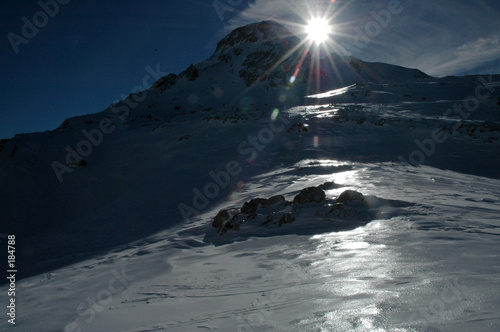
pixel 433 267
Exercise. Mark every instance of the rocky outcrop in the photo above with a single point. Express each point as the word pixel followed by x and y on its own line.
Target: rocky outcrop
pixel 266 216
pixel 310 195
pixel 165 82
pixel 272 211
pixel 267 30
pixel 251 206
pixel 191 73
pixel 349 196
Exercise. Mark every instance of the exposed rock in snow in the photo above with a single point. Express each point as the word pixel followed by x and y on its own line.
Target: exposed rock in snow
pixel 251 207
pixel 165 82
pixel 191 73
pixel 310 195
pixel 310 212
pixel 223 217
pixel 349 196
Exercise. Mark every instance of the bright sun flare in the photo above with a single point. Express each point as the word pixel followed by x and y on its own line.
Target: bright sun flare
pixel 318 30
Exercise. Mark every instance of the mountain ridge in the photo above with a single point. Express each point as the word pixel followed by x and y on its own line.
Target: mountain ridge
pixel 277 38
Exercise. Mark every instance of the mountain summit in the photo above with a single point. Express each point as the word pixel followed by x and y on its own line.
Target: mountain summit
pixel 262 31
pixel 268 58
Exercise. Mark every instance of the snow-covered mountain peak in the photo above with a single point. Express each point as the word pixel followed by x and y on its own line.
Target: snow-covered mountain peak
pixel 269 58
pixel 256 32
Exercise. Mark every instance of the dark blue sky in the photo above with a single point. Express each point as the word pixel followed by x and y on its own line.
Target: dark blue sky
pixel 90 53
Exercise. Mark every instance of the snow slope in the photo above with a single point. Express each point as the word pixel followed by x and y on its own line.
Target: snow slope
pixel 125 240
pixel 432 267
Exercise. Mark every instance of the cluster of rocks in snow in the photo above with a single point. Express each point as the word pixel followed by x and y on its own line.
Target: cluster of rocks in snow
pixel 277 211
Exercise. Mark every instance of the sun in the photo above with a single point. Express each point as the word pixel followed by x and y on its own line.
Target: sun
pixel 318 30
